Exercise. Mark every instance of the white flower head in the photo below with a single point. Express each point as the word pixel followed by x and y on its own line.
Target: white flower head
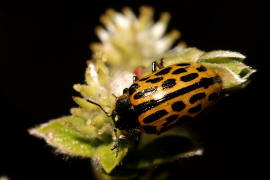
pixel 130 41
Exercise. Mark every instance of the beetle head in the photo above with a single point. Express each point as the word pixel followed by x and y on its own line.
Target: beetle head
pixel 124 115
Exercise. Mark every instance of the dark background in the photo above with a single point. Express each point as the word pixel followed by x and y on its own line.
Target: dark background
pixel 44 47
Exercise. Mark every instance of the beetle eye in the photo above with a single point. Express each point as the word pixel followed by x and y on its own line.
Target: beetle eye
pixel 116 118
pixel 125 90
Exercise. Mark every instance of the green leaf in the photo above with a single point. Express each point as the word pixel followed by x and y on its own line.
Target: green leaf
pixel 106 157
pixel 220 56
pixel 63 134
pixel 240 69
pixel 122 172
pixel 178 55
pixel 229 66
pixel 232 74
pixel 163 149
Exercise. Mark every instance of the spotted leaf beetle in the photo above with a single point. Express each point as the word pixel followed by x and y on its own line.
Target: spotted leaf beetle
pixel 161 100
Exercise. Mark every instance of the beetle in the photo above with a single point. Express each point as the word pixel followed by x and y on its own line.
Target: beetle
pixel 159 101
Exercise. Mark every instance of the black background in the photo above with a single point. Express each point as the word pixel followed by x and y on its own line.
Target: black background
pixel 43 53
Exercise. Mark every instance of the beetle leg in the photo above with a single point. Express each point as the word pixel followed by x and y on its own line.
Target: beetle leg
pixel 135 78
pixel 161 64
pixel 118 143
pixel 116 146
pixel 155 65
pixel 137 137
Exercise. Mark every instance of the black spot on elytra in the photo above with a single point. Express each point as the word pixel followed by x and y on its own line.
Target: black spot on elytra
pixel 164 71
pixel 143 79
pixel 155 116
pixel 133 88
pixel 206 82
pixel 145 106
pixel 145 92
pixel 195 109
pixel 180 70
pixel 168 83
pixel 150 129
pixel 178 106
pixel 155 80
pixel 213 96
pixel 181 120
pixel 201 68
pixel 170 119
pixel 189 77
pixel 183 64
pixel 197 97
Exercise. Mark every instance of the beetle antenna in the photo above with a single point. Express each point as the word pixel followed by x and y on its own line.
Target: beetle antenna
pixel 114 96
pixel 117 144
pixel 92 102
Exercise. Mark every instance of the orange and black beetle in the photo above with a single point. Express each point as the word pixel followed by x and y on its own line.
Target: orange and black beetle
pixel 168 96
